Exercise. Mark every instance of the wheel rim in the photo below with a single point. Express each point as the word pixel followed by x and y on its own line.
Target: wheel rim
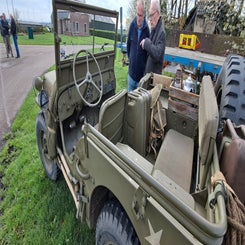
pixel 110 243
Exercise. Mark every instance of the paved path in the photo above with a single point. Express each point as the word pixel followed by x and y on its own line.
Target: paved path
pixel 16 77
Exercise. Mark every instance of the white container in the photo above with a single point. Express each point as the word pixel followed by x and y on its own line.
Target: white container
pixel 189 85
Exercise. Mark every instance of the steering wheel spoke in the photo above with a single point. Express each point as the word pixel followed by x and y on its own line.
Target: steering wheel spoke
pixel 88 79
pixel 97 88
pixel 82 83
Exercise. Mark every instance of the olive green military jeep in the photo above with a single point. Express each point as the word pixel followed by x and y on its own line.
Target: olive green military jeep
pixel 135 176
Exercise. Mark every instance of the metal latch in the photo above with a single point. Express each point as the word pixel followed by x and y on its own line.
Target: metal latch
pixel 83 201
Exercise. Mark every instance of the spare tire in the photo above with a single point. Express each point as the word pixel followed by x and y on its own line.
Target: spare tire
pixel 230 90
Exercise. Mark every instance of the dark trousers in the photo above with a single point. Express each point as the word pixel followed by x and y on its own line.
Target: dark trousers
pixel 15 37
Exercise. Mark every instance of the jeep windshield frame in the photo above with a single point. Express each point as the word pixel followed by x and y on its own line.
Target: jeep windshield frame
pixel 76 28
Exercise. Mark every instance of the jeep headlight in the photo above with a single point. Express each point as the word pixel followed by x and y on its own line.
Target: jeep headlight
pixel 38 83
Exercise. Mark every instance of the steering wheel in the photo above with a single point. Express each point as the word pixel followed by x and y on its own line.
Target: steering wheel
pixel 88 79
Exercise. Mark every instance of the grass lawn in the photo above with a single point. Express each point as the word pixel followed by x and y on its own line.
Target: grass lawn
pixel 34 210
pixel 48 39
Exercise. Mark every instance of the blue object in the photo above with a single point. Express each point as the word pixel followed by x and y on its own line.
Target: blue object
pixel 192 63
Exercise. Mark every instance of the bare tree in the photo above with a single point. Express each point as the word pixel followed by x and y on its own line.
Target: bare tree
pixel 178 8
pixel 186 7
pixel 132 9
pixel 174 12
pixel 16 14
pixel 241 5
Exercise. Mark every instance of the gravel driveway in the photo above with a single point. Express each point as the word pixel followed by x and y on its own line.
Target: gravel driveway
pixel 16 76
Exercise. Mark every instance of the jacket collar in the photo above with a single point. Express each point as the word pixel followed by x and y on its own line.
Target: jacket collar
pixel 144 24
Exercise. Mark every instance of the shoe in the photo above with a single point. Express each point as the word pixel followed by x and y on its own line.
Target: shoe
pixel 17 57
pixel 7 56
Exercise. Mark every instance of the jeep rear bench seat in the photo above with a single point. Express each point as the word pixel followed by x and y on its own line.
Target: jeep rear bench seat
pixel 147 166
pixel 175 158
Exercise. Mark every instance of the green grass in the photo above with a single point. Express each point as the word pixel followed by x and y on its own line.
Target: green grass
pixel 48 39
pixel 121 72
pixel 35 210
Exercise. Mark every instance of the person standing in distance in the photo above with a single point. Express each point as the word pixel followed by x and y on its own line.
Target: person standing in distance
pixel 138 30
pixel 155 45
pixel 5 34
pixel 14 35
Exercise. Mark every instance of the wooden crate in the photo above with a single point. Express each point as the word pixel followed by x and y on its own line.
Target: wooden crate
pixel 183 102
pixel 161 79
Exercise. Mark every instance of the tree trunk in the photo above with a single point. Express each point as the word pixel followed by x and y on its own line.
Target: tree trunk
pixel 240 7
pixel 179 9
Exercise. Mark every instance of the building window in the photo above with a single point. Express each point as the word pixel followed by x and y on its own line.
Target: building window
pixel 75 27
pixel 85 27
pixel 65 26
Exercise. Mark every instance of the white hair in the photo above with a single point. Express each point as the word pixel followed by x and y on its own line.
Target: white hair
pixel 141 2
pixel 156 5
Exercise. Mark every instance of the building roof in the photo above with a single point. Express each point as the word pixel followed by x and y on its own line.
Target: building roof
pixel 24 22
pixel 63 14
pixel 100 18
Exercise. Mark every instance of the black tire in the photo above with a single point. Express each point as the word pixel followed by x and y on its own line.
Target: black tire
pixel 230 90
pixel 114 227
pixel 221 77
pixel 50 165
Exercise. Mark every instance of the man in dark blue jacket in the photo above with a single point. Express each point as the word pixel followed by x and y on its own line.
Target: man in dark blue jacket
pixel 14 35
pixel 138 31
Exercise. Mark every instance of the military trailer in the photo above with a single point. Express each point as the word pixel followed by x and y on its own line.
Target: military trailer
pixel 142 167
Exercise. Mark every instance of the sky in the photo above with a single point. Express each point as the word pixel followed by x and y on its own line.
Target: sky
pixel 40 10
